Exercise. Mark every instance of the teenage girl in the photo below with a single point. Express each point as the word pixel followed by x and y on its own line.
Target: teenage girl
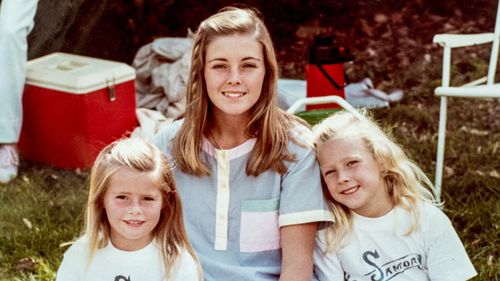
pixel 249 185
pixel 386 225
pixel 134 228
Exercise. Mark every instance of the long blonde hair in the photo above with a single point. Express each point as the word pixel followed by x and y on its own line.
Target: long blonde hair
pixel 141 156
pixel 405 183
pixel 268 123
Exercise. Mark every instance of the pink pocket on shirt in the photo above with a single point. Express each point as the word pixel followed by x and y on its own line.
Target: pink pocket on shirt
pixel 259 226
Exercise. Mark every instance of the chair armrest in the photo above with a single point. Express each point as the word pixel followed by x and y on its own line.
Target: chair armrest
pixel 462 40
pixel 481 91
pixel 322 100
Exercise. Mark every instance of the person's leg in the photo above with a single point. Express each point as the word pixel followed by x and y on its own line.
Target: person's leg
pixel 16 21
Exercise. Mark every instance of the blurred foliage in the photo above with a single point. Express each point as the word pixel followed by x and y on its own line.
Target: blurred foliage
pixel 123 26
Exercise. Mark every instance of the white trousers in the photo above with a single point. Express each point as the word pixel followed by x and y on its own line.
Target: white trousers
pixel 16 22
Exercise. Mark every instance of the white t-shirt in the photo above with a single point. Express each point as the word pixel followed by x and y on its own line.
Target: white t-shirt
pixel 112 264
pixel 377 249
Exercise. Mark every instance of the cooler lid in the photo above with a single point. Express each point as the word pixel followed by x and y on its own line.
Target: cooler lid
pixel 76 74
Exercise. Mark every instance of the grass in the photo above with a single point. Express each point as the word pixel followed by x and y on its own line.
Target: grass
pixel 40 210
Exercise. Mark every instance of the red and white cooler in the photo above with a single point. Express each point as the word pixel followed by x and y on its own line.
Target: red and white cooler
pixel 73 106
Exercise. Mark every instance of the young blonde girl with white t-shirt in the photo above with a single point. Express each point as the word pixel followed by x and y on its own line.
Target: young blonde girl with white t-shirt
pixel 134 227
pixel 387 226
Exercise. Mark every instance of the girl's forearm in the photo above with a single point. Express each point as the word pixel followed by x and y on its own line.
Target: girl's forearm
pixel 297 247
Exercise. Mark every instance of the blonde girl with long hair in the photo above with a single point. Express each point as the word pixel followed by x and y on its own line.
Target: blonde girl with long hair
pixel 249 185
pixel 387 226
pixel 133 226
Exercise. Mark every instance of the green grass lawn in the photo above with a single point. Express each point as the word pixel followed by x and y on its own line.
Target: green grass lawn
pixel 40 210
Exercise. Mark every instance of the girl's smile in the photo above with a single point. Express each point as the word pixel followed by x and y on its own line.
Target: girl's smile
pixel 350 190
pixel 233 94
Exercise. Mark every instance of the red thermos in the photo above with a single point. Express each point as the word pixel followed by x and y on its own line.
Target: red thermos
pixel 325 70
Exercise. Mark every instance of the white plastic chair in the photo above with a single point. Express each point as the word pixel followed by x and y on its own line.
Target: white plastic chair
pixel 474 89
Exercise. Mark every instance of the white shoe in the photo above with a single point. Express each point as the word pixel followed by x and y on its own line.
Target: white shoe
pixel 9 161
